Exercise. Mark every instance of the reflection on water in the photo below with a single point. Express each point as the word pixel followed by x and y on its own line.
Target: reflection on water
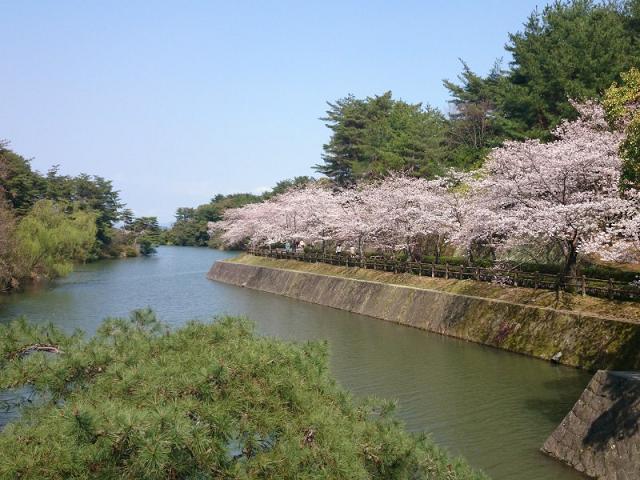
pixel 493 407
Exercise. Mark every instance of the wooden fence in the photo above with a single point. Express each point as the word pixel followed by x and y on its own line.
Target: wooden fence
pixel 596 287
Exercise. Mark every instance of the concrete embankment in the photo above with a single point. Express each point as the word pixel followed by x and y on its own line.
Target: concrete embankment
pixel 584 340
pixel 600 436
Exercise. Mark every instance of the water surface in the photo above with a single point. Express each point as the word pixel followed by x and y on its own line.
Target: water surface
pixel 493 407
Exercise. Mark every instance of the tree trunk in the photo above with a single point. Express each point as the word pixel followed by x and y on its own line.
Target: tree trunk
pixel 571 266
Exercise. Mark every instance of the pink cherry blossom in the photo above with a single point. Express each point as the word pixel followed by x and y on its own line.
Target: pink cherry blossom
pixel 563 192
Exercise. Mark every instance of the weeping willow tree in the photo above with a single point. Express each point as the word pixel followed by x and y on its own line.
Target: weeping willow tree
pixel 49 239
pixel 7 246
pixel 137 401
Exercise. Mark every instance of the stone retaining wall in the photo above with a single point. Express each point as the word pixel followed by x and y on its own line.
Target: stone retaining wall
pixel 600 435
pixel 585 341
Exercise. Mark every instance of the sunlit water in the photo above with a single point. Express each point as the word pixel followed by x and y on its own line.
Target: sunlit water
pixel 494 408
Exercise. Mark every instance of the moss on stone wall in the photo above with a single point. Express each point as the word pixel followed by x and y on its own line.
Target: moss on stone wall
pixel 519 320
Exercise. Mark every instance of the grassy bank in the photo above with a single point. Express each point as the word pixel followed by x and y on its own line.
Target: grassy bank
pixel 619 310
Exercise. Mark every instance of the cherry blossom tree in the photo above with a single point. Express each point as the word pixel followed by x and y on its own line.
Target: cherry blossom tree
pixel 357 219
pixel 400 203
pixel 308 213
pixel 299 213
pixel 564 191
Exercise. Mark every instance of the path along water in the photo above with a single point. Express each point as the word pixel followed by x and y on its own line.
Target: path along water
pixel 493 407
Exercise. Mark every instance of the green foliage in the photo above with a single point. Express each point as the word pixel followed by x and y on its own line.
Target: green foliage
pixel 621 102
pixel 477 122
pixel 49 240
pixel 21 186
pixel 7 247
pixel 146 247
pixel 76 202
pixel 138 236
pixel 204 401
pixel 572 49
pixel 569 49
pixel 89 193
pixel 283 185
pixel 373 136
pixel 189 233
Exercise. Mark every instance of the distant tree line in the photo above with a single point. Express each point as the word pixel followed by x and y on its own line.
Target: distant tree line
pixel 49 221
pixel 190 226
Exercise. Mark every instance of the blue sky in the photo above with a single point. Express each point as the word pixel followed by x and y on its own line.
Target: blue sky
pixel 178 101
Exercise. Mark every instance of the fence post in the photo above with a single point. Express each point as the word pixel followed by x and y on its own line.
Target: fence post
pixel 461 272
pixel 610 289
pixel 477 274
pixel 515 279
pixel 584 285
pixel 433 269
pixel 446 271
pixel 419 269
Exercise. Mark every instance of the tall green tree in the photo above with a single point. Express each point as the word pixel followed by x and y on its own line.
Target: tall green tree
pixel 146 234
pixel 7 230
pixel 20 185
pixel 477 121
pixel 89 193
pixel 570 49
pixel 375 135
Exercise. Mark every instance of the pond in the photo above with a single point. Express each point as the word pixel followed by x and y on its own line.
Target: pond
pixel 493 407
